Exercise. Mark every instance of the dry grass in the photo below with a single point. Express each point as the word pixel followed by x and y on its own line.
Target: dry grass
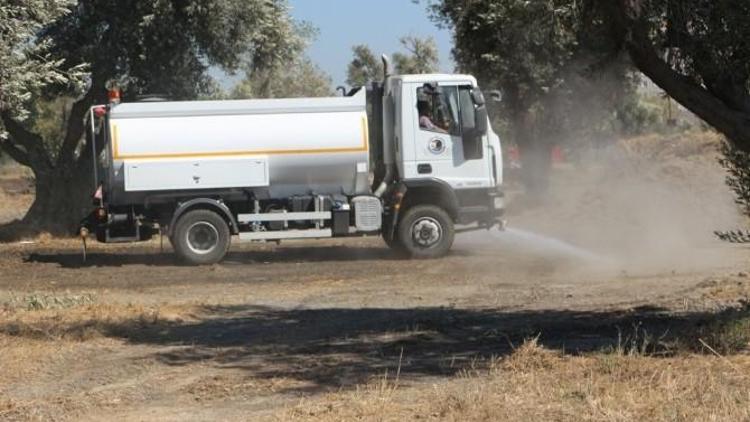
pixel 16 192
pixel 31 333
pixel 532 383
pixel 701 373
pixel 78 318
pixel 41 330
pixel 13 207
pixel 728 332
pixel 694 145
pixel 41 301
pixel 13 170
pixel 538 384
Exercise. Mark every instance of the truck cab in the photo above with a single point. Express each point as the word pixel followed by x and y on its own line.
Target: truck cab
pixel 444 150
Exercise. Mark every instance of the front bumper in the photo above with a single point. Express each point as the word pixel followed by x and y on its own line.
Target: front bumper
pixel 498 205
pixel 488 215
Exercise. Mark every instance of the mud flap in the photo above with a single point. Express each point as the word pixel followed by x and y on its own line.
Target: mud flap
pixel 398 198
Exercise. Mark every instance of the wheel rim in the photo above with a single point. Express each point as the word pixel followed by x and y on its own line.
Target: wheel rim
pixel 202 238
pixel 426 232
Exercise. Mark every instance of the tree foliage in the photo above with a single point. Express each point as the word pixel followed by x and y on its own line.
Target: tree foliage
pixel 167 47
pixel 521 46
pixel 364 67
pixel 695 50
pixel 737 164
pixel 291 76
pixel 556 83
pixel 300 78
pixel 421 57
pixel 27 65
pixel 157 46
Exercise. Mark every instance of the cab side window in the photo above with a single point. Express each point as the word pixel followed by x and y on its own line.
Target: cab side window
pixel 438 111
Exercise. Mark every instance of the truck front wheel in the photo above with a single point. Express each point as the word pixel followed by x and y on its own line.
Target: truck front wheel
pixel 426 231
pixel 201 237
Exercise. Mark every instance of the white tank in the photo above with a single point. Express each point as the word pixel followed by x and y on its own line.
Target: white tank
pixel 284 147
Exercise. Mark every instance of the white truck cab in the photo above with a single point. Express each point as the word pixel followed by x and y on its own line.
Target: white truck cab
pixel 408 158
pixel 445 152
pixel 454 154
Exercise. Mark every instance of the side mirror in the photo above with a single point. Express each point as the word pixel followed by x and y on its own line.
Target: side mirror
pixel 477 97
pixel 472 137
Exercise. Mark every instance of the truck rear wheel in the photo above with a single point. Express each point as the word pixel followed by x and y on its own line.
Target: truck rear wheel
pixel 426 231
pixel 201 237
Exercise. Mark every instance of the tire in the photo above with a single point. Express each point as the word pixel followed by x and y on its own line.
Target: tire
pixel 201 237
pixel 426 232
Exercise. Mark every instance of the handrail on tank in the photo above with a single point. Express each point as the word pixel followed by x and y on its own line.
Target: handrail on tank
pixel 93 146
pixel 95 160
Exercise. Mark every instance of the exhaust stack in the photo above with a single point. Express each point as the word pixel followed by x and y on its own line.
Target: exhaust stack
pixel 386 67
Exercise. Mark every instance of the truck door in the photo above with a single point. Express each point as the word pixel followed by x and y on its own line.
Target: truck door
pixel 440 149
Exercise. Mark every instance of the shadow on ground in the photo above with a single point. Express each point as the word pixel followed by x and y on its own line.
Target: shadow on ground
pixel 168 259
pixel 335 347
pixel 153 257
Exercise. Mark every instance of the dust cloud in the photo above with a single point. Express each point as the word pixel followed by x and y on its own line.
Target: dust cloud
pixel 643 205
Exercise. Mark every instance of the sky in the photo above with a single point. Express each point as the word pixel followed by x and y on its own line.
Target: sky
pixel 377 23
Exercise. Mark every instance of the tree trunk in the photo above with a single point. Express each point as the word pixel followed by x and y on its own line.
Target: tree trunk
pixel 63 184
pixel 63 199
pixel 535 154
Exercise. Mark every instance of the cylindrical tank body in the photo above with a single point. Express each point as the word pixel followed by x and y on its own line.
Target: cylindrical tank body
pixel 280 147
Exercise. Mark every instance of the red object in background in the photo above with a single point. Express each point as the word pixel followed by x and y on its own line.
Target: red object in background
pixel 556 155
pixel 114 95
pixel 513 153
pixel 513 157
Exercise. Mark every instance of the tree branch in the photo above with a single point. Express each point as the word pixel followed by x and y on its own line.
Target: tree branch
pixel 86 152
pixel 37 157
pixel 15 153
pixel 76 125
pixel 732 123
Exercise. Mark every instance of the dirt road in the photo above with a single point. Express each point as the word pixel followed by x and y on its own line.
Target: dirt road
pixel 133 334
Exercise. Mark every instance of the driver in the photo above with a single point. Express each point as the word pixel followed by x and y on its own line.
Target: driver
pixel 425 120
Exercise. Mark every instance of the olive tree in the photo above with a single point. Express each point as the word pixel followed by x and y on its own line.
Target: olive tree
pixel 522 48
pixel 291 76
pixel 695 50
pixel 27 66
pixel 364 67
pixel 555 64
pixel 421 56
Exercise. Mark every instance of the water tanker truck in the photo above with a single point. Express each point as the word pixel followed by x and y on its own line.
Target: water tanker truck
pixel 410 159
